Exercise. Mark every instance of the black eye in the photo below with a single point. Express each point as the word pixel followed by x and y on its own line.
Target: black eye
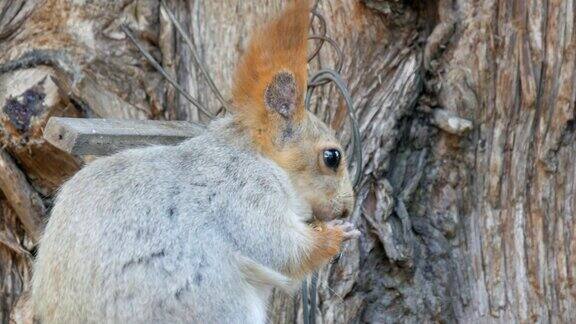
pixel 332 158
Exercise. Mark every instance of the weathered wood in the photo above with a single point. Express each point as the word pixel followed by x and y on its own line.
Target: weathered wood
pixel 28 98
pixel 22 198
pixel 22 312
pixel 106 136
pixel 450 123
pixel 16 261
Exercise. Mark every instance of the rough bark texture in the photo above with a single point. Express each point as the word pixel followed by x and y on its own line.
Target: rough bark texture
pixel 466 110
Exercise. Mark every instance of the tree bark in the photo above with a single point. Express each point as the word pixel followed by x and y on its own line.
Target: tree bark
pixel 466 110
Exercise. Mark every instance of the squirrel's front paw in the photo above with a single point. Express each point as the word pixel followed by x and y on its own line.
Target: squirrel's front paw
pixel 349 231
pixel 328 238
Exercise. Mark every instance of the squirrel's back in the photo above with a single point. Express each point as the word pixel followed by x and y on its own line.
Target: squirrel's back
pixel 154 227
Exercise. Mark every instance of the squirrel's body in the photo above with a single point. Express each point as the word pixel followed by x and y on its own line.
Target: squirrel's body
pixel 159 244
pixel 200 232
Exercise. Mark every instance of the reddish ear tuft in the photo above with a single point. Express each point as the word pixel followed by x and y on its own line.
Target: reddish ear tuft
pixel 270 81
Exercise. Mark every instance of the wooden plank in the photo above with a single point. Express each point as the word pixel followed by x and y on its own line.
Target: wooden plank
pixel 79 136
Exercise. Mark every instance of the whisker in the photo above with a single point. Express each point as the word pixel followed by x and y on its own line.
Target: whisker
pixel 341 299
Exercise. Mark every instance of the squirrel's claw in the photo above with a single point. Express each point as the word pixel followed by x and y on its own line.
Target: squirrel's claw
pixel 350 231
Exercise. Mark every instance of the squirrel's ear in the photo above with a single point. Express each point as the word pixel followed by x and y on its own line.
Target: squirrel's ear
pixel 270 81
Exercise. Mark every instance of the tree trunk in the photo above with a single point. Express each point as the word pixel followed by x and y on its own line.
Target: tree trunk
pixel 466 110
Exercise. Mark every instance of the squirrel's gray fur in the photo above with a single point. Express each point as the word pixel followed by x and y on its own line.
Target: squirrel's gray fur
pixel 153 235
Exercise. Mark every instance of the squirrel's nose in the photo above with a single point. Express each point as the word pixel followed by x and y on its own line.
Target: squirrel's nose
pixel 344 213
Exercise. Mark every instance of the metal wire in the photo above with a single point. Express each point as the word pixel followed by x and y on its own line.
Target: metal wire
pixel 329 75
pixel 161 70
pixel 340 61
pixel 313 289
pixel 305 310
pixel 326 76
pixel 199 63
pixel 322 77
pixel 333 76
pixel 321 36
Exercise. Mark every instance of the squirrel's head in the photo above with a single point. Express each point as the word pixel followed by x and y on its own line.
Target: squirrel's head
pixel 269 92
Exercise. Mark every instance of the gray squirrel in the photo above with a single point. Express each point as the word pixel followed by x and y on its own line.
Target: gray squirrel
pixel 202 231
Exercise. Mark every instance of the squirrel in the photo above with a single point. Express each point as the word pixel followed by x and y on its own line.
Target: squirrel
pixel 203 230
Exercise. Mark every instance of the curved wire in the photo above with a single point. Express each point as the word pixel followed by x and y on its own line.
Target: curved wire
pixel 161 70
pixel 313 290
pixel 330 75
pixel 315 6
pixel 199 63
pixel 305 309
pixel 320 78
pixel 340 61
pixel 316 14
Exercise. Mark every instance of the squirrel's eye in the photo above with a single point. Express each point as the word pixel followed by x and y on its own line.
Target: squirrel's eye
pixel 332 158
